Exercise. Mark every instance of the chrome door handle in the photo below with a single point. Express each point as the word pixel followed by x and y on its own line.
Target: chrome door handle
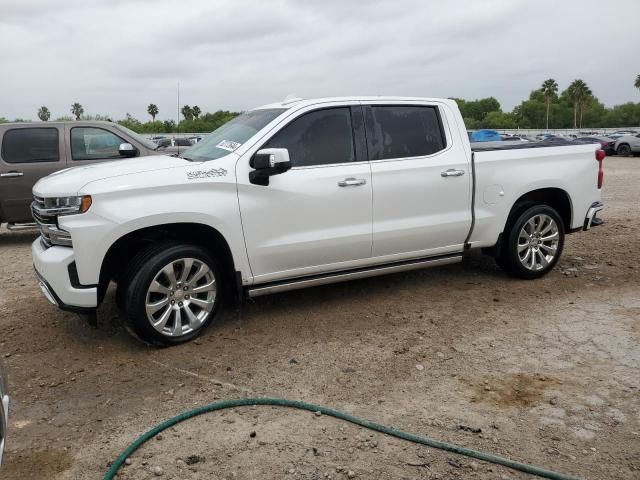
pixel 452 172
pixel 12 174
pixel 351 182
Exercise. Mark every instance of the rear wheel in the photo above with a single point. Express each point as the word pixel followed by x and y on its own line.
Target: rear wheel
pixel 534 243
pixel 624 150
pixel 175 294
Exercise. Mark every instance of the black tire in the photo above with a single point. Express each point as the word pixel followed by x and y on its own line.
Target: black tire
pixel 623 150
pixel 124 279
pixel 149 263
pixel 510 260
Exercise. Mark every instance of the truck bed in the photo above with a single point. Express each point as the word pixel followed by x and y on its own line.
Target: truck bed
pixel 490 146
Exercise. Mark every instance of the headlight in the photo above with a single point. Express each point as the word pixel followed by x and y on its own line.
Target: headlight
pixel 66 205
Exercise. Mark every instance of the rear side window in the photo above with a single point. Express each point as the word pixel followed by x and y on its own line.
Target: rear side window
pixel 88 143
pixel 30 145
pixel 320 137
pixel 399 131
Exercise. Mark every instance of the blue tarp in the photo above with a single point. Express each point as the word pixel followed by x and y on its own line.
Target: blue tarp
pixel 485 136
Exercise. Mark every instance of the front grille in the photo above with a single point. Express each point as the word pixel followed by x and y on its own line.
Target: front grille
pixel 45 215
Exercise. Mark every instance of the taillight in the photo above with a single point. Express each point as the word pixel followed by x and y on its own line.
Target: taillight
pixel 599 158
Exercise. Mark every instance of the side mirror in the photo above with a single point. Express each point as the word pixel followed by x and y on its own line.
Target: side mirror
pixel 127 150
pixel 268 162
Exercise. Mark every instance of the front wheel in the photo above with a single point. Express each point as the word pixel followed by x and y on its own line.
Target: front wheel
pixel 534 243
pixel 624 150
pixel 174 295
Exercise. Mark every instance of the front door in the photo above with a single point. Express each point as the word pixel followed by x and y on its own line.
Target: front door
pixel 91 144
pixel 27 155
pixel 316 217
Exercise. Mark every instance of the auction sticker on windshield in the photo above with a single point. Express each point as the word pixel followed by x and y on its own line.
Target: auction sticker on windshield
pixel 228 145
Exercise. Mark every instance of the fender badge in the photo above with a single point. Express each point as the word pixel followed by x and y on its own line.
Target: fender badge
pixel 213 172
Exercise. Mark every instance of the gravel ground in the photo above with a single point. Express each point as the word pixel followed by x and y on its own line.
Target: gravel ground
pixel 543 372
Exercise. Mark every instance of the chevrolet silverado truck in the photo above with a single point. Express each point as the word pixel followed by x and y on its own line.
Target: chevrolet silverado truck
pixel 303 193
pixel 32 150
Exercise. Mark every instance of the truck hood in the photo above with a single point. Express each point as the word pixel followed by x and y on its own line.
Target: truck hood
pixel 71 180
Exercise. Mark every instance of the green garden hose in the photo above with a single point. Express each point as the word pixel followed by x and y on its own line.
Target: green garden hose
pixel 281 402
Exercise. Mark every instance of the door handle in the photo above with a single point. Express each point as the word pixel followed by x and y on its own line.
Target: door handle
pixel 351 182
pixel 12 174
pixel 452 172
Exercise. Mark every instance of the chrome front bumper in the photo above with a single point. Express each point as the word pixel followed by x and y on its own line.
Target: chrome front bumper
pixel 591 220
pixel 52 272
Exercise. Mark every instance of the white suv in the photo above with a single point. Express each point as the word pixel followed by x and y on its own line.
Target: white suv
pixel 627 145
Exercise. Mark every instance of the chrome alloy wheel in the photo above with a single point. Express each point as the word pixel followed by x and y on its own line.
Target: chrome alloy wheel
pixel 180 297
pixel 538 242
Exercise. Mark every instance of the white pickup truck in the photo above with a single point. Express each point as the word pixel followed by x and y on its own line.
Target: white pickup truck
pixel 303 193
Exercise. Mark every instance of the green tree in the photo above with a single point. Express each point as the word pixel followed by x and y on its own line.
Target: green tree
pixel 579 94
pixel 479 108
pixel 77 110
pixel 187 112
pixel 550 91
pixel 196 111
pixel 152 109
pixel 44 114
pixel 499 120
pixel 637 82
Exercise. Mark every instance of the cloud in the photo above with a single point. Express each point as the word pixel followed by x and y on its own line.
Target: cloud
pixel 118 56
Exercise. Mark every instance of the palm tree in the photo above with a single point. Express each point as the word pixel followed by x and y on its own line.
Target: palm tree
pixel 187 112
pixel 196 111
pixel 637 82
pixel 77 110
pixel 579 93
pixel 152 109
pixel 549 90
pixel 44 114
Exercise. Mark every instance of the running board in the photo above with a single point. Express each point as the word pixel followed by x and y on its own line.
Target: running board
pixel 16 227
pixel 335 277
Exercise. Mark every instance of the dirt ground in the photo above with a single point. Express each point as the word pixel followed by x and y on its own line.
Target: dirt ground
pixel 546 372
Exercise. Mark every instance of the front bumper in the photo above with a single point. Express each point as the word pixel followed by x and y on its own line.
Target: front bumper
pixel 53 274
pixel 591 220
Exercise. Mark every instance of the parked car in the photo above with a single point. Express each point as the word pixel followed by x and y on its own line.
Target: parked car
pixel 4 409
pixel 607 144
pixel 513 138
pixel 175 142
pixel 627 145
pixel 31 151
pixel 304 193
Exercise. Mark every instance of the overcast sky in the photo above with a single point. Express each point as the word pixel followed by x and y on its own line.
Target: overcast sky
pixel 117 56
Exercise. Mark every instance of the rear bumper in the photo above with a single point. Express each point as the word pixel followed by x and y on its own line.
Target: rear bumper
pixel 52 271
pixel 591 220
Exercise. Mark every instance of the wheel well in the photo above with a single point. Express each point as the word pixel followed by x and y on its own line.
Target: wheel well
pixel 125 248
pixel 556 198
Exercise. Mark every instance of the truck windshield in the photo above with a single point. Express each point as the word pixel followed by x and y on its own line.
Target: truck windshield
pixel 232 134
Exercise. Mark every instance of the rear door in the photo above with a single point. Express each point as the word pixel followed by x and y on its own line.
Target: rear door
pixel 421 181
pixel 28 153
pixel 316 217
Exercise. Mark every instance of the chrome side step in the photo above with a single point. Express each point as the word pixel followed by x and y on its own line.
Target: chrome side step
pixel 335 277
pixel 16 227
